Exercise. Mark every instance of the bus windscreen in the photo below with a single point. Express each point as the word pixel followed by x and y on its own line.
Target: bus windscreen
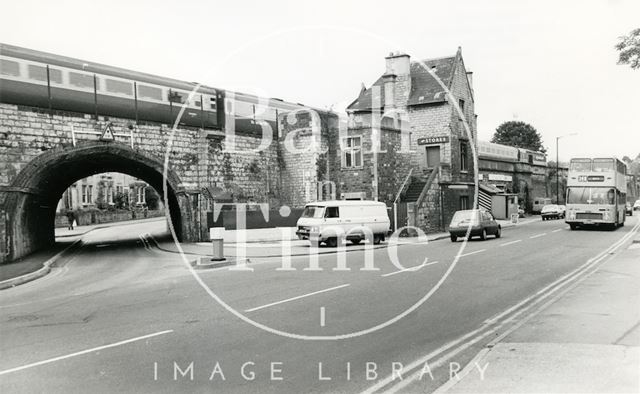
pixel 591 195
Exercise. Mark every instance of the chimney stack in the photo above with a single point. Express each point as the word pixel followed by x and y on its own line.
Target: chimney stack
pixel 389 81
pixel 398 63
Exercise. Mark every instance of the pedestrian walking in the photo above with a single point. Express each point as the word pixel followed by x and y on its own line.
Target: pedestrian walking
pixel 71 218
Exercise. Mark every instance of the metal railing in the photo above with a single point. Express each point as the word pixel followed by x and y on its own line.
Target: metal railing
pixel 405 185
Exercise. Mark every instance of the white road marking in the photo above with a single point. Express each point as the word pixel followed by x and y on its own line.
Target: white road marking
pixel 555 231
pixel 511 243
pixel 470 253
pixel 297 298
pixel 95 349
pixel 322 316
pixel 416 268
pixel 537 235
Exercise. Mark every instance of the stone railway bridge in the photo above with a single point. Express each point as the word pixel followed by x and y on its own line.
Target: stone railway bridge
pixel 42 154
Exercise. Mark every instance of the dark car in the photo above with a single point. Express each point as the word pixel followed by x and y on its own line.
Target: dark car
pixel 628 209
pixel 482 223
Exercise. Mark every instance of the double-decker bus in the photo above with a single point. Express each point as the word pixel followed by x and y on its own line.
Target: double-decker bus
pixel 596 192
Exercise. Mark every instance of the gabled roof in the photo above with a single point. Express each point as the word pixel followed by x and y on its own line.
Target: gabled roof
pixel 424 87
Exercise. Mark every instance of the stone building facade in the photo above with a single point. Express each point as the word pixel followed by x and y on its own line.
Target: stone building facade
pixel 422 112
pixel 102 190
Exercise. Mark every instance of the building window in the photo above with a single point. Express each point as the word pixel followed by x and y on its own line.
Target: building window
pixel 461 105
pixel 89 194
pixel 352 152
pixel 110 195
pixel 84 194
pixel 140 195
pixel 433 156
pixel 464 202
pixel 464 157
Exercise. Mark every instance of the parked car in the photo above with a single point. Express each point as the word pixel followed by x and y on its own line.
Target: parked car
pixel 551 211
pixel 628 209
pixel 329 221
pixel 636 205
pixel 482 223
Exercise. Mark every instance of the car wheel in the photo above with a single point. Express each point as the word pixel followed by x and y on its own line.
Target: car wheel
pixel 356 241
pixel 454 238
pixel 499 233
pixel 332 242
pixel 483 235
pixel 573 226
pixel 376 239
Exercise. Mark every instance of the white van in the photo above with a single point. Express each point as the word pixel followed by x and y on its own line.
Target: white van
pixel 329 221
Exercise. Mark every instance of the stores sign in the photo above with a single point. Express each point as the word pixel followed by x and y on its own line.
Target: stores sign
pixel 433 140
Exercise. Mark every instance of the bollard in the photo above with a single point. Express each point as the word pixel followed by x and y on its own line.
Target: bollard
pixel 216 234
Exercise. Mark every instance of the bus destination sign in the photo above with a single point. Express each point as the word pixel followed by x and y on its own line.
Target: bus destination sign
pixel 591 178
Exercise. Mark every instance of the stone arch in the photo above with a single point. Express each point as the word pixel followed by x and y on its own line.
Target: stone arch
pixel 33 195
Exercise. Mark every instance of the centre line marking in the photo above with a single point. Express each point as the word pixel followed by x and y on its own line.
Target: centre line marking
pixel 296 298
pixel 470 253
pixel 511 243
pixel 538 235
pixel 95 349
pixel 416 268
pixel 322 316
pixel 555 231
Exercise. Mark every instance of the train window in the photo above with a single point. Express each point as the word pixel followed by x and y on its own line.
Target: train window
pixel 213 103
pixel 176 97
pixel 81 80
pixel 150 92
pixel 38 73
pixel 122 87
pixel 8 67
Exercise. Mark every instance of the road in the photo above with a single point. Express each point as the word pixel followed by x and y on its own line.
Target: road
pixel 119 314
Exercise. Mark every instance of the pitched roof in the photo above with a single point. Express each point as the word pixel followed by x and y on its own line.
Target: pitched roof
pixel 424 87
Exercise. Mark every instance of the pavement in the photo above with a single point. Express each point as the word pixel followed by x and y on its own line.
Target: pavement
pixel 586 342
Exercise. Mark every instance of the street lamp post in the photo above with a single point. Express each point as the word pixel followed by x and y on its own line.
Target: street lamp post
pixel 558 167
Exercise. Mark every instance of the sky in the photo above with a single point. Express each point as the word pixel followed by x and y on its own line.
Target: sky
pixel 548 63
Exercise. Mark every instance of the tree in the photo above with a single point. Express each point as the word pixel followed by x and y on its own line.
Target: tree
pixel 152 198
pixel 518 134
pixel 629 48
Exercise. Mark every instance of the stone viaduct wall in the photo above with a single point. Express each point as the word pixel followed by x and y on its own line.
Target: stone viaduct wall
pixel 39 159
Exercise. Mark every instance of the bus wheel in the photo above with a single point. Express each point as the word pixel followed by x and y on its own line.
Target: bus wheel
pixel 573 226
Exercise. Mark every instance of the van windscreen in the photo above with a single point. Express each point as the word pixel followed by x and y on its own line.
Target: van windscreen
pixel 313 211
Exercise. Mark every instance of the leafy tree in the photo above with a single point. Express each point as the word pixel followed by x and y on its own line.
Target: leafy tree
pixel 151 197
pixel 518 134
pixel 629 48
pixel 121 201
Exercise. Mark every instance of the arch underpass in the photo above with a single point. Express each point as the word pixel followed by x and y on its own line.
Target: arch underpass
pixel 37 188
